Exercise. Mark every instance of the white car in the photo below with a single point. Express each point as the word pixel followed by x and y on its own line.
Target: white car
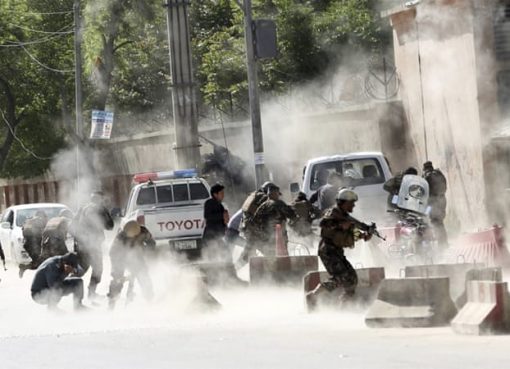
pixel 11 228
pixel 364 172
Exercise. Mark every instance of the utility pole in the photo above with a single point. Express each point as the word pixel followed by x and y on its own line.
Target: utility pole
pixel 256 125
pixel 77 91
pixel 77 69
pixel 184 103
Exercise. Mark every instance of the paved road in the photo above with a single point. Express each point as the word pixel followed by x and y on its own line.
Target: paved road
pixel 255 329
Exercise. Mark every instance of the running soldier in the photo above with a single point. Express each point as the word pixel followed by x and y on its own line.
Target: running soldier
pixel 306 213
pixel 338 231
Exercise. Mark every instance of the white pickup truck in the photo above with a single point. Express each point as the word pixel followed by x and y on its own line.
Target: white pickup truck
pixel 364 172
pixel 171 206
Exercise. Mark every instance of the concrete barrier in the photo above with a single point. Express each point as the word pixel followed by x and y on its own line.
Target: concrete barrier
pixel 482 274
pixel 412 302
pixel 281 269
pixel 368 283
pixel 455 272
pixel 487 309
pixel 218 273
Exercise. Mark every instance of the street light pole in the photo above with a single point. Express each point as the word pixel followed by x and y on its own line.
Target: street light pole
pixel 256 125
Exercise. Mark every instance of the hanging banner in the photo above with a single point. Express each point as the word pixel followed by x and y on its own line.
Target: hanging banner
pixel 102 124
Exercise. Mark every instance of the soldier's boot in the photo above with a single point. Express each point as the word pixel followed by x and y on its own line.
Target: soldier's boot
pixel 312 298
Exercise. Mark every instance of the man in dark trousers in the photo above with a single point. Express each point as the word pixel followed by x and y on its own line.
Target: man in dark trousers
pixel 53 280
pixel 437 201
pixel 92 220
pixel 338 231
pixel 216 220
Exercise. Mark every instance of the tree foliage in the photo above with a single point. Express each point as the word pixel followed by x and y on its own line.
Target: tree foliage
pixel 126 62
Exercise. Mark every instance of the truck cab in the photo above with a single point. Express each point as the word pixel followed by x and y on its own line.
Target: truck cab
pixel 364 172
pixel 171 206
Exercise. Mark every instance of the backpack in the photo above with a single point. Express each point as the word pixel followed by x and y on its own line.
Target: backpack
pixel 252 203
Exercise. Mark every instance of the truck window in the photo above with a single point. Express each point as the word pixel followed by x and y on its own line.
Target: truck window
pixel 198 191
pixel 146 196
pixel 165 194
pixel 181 192
pixel 355 172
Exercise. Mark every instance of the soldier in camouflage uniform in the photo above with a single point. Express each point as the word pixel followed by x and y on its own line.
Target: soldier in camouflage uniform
pixel 272 212
pixel 32 234
pixel 338 232
pixel 54 235
pixel 248 226
pixel 129 250
pixel 306 213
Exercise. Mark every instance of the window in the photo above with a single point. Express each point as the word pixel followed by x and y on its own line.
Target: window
pixel 24 214
pixel 356 172
pixel 181 192
pixel 146 196
pixel 502 32
pixel 198 191
pixel 165 194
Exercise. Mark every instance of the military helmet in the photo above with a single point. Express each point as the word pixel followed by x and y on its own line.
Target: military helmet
pixel 131 229
pixel 346 195
pixel 265 185
pixel 272 188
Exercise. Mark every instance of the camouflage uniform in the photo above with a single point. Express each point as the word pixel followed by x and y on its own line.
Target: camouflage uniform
pixel 333 240
pixel 54 238
pixel 306 213
pixel 249 227
pixel 267 216
pixel 129 253
pixel 32 234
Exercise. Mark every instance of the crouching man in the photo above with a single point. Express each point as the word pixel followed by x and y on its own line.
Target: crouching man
pixel 54 279
pixel 128 251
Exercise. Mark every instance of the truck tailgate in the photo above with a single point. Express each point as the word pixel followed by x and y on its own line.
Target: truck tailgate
pixel 175 222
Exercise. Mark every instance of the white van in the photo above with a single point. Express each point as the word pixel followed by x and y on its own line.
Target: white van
pixel 364 172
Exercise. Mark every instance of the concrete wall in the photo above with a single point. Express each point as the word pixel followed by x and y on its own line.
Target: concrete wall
pixel 436 57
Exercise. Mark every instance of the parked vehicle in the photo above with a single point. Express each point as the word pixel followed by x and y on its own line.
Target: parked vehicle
pixel 364 172
pixel 171 206
pixel 11 228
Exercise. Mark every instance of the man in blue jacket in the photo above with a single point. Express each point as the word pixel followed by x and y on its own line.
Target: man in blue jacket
pixel 53 279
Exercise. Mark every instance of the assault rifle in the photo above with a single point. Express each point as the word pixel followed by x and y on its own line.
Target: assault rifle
pixel 370 229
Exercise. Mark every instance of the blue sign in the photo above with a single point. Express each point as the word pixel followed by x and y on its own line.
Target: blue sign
pixel 102 124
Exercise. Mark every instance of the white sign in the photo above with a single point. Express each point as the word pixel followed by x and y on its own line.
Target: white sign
pixel 102 124
pixel 259 158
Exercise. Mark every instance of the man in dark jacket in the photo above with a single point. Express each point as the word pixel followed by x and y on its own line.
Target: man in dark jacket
pixel 216 220
pixel 93 219
pixel 52 281
pixel 392 185
pixel 437 201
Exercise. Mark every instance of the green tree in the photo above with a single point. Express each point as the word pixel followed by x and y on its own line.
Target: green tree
pixel 34 74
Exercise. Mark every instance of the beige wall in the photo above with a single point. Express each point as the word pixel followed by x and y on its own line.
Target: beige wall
pixel 445 126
